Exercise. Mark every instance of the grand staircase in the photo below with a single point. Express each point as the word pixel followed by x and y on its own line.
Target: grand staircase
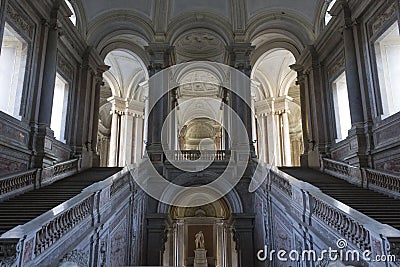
pixel 382 208
pixel 23 208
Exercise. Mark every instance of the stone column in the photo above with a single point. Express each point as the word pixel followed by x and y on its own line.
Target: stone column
pixel 221 244
pixel 96 111
pixel 125 148
pixel 114 140
pixel 50 69
pixel 352 75
pixel 160 58
pixel 301 81
pixel 118 106
pixel 262 140
pixel 156 226
pixel 47 91
pixel 179 246
pixel 353 82
pixel 226 122
pixel 286 139
pixel 240 60
pixel 138 133
pixel 243 236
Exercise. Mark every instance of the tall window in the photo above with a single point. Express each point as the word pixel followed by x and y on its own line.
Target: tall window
pixel 328 16
pixel 13 58
pixel 387 49
pixel 73 16
pixel 342 107
pixel 59 111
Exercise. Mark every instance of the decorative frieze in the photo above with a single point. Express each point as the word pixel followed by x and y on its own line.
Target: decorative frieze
pixel 20 21
pixel 78 257
pixel 337 66
pixel 385 17
pixel 64 66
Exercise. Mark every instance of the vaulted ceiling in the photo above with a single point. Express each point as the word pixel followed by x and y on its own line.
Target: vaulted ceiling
pixel 225 8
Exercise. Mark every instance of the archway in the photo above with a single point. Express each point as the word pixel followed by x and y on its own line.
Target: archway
pixel 277 107
pixel 122 107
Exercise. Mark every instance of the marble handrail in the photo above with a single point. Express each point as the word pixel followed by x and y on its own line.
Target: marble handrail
pixel 384 182
pixel 47 230
pixel 376 180
pixel 18 183
pixel 343 221
pixel 343 171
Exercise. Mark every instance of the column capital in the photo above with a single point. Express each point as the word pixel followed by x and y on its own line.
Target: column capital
pixel 161 56
pixel 240 56
pixel 341 7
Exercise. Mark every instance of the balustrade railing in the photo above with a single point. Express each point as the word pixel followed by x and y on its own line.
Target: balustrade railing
pixel 383 182
pixel 18 183
pixel 26 245
pixel 193 155
pixel 342 170
pixel 362 232
pixel 376 180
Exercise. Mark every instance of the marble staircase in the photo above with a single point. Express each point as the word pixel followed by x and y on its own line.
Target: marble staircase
pixel 26 207
pixel 378 206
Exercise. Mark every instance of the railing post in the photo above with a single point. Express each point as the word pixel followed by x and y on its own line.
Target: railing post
pixel 38 179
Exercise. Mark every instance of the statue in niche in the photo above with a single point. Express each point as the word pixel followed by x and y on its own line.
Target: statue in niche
pixel 199 240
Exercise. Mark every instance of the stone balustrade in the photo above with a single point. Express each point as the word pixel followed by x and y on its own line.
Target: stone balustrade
pixel 324 218
pixel 384 182
pixel 376 180
pixel 193 155
pixel 18 183
pixel 342 170
pixel 45 239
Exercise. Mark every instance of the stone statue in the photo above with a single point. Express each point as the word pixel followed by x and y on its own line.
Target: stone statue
pixel 199 240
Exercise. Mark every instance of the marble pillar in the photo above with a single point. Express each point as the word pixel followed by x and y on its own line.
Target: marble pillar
pixel 301 81
pixel 138 135
pixel 114 140
pixel 50 69
pixel 47 91
pixel 96 111
pixel 352 78
pixel 286 139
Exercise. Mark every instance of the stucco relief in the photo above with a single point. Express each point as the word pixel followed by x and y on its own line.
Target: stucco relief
pixel 390 165
pixel 118 245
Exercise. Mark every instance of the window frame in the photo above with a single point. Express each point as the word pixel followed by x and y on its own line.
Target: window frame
pixel 23 109
pixel 377 91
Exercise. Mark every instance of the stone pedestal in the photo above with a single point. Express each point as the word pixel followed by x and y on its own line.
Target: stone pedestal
pixel 200 258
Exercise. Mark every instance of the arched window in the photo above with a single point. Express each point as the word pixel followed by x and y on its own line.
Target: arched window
pixel 328 16
pixel 73 16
